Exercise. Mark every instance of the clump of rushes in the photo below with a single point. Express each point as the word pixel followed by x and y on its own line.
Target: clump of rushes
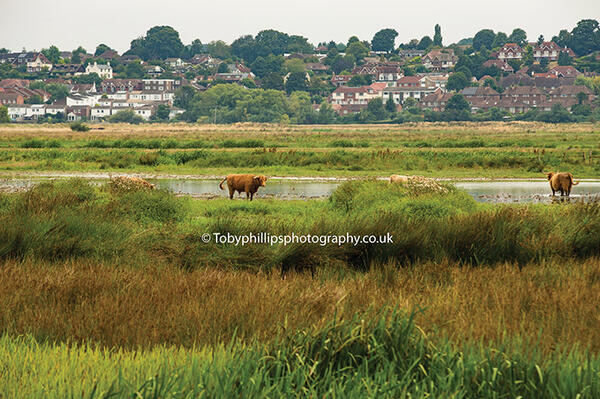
pixel 79 127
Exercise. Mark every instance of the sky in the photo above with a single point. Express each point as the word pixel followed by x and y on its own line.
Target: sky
pixel 37 24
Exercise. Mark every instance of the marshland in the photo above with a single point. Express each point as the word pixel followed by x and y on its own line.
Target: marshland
pixel 109 290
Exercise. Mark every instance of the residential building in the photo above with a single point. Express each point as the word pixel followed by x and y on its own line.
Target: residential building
pixel 340 80
pixel 438 60
pixel 436 101
pixel 401 93
pixel 500 64
pixel 174 63
pixel 120 85
pixel 510 51
pixel 566 71
pixel 316 67
pixel 161 84
pixel 104 71
pixel 10 97
pixel 549 51
pixel 38 64
pixel 68 70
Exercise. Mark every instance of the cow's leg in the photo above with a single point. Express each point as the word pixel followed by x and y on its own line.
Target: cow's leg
pixel 248 195
pixel 231 192
pixel 251 196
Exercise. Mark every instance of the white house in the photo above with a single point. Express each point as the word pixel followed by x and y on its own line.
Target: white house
pixel 80 100
pixel 399 94
pixel 104 71
pixel 38 64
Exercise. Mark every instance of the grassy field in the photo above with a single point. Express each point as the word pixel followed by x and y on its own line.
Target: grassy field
pixel 516 149
pixel 111 291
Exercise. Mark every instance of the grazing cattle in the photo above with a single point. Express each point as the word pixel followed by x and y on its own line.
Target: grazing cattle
pixel 561 182
pixel 246 183
pixel 398 179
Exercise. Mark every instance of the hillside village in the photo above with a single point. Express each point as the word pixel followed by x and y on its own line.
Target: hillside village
pixel 498 76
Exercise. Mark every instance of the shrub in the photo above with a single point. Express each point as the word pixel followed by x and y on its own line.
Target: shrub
pixel 149 158
pixel 79 127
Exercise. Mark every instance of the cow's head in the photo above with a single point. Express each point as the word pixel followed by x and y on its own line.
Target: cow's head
pixel 260 180
pixel 549 175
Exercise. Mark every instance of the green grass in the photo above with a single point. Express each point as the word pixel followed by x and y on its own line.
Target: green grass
pixel 74 219
pixel 453 150
pixel 335 162
pixel 384 356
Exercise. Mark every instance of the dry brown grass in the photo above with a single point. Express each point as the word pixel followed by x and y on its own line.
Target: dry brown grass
pixel 130 307
pixel 243 130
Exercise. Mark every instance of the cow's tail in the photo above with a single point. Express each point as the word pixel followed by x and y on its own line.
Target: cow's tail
pixel 221 184
pixel 573 182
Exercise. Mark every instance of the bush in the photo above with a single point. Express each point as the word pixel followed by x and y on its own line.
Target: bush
pixel 79 127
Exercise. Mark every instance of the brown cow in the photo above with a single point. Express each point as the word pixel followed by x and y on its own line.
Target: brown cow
pixel 247 183
pixel 561 182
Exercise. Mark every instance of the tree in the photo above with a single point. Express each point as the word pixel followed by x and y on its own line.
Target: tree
pixel 484 38
pixel 272 81
pixel 424 43
pixel 540 40
pixel 409 102
pixel 563 39
pixel 518 36
pixel 223 68
pixel 360 80
pixel 581 97
pixel 345 63
pixel 384 40
pixel 195 47
pixel 52 53
pixel 457 81
pixel 57 91
pixel 263 66
pixel 585 37
pixel 294 65
pixel 564 59
pixel 219 49
pixel 558 114
pixel 4 114
pixel 296 81
pixel 457 109
pixel 500 40
pixel 35 99
pixel 390 106
pixel 134 70
pixel 299 44
pixel 159 43
pixel 162 112
pixel 351 40
pixel 76 55
pixel 326 114
pixel 358 50
pixel 100 49
pixel 301 109
pixel 184 97
pixel 245 47
pixel 126 116
pixel 437 37
pixel 375 108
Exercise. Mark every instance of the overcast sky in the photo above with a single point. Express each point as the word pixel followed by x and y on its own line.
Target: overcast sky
pixel 36 24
